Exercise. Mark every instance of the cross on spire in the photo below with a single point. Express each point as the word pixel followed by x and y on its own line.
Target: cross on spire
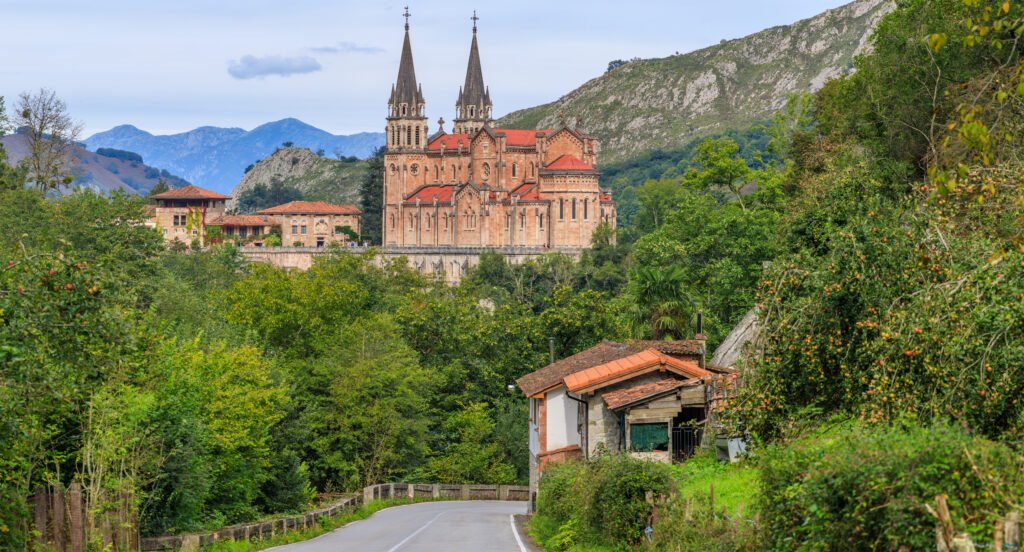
pixel 406 16
pixel 474 19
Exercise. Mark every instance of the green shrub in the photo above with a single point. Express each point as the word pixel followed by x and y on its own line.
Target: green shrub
pixel 867 490
pixel 601 501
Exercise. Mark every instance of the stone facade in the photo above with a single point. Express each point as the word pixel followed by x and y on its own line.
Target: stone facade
pixel 315 223
pixel 182 214
pixel 482 186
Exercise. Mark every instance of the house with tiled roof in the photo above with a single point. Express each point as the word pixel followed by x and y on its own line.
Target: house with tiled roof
pixel 316 223
pixel 182 214
pixel 650 399
pixel 481 186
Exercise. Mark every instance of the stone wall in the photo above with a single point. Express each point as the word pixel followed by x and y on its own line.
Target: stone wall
pixel 447 263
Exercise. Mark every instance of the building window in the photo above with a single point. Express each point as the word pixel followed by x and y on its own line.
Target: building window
pixel 417 137
pixel 454 176
pixel 428 222
pixel 522 221
pixel 586 209
pixel 392 220
pixel 242 231
pixel 410 222
pixel 541 219
pixel 437 173
pixel 574 208
pixel 514 167
pixel 295 229
pixel 408 136
pixel 405 110
pixel 561 209
pixel 532 168
pixel 472 111
pixel 446 222
pixel 302 229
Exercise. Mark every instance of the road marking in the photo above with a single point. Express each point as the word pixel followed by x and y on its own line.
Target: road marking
pixel 519 541
pixel 416 532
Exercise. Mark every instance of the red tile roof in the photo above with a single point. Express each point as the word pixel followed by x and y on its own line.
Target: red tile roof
pixel 521 138
pixel 568 163
pixel 527 192
pixel 630 395
pixel 311 208
pixel 552 374
pixel 426 194
pixel 189 192
pixel 449 141
pixel 637 364
pixel 243 220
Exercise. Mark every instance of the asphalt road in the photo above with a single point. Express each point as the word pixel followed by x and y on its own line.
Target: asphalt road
pixel 449 526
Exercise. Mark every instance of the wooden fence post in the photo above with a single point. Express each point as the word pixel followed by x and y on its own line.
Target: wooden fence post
pixel 40 515
pixel 77 526
pixel 1011 531
pixel 57 527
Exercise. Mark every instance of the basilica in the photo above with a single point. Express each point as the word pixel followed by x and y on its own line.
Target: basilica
pixel 480 186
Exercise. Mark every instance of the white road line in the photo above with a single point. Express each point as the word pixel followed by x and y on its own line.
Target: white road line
pixel 519 541
pixel 416 532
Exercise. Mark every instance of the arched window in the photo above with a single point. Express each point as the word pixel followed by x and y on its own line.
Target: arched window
pixel 532 169
pixel 417 137
pixel 392 221
pixel 437 172
pixel 514 170
pixel 561 209
pixel 540 218
pixel 574 208
pixel 454 174
pixel 405 110
pixel 428 222
pixel 585 209
pixel 472 111
pixel 410 223
pixel 408 136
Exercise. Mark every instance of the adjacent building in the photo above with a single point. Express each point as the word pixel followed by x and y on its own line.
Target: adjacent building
pixel 188 213
pixel 481 186
pixel 315 223
pixel 650 399
pixel 182 214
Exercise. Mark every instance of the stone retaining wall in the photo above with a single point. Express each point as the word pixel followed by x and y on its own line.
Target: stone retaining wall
pixel 265 529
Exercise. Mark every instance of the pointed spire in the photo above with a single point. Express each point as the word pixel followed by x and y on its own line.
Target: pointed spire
pixel 474 93
pixel 407 90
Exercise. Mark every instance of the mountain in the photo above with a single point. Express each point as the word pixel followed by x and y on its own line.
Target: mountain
pixel 665 103
pixel 216 158
pixel 103 171
pixel 318 178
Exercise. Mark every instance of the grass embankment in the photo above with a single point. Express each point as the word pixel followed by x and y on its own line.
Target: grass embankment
pixel 735 487
pixel 324 525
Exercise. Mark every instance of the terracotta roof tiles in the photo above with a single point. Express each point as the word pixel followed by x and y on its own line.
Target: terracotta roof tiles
pixel 630 395
pixel 568 163
pixel 189 192
pixel 311 208
pixel 637 363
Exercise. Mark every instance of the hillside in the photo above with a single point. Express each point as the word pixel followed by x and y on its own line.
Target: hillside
pixel 665 103
pixel 318 178
pixel 102 173
pixel 216 158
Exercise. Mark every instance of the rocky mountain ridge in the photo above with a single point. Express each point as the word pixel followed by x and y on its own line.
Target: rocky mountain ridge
pixel 665 103
pixel 318 178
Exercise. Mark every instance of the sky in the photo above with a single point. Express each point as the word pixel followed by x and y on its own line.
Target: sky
pixel 171 66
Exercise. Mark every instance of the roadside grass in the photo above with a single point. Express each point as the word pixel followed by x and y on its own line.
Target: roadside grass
pixel 324 525
pixel 734 484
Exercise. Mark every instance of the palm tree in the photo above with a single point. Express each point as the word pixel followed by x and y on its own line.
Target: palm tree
pixel 662 306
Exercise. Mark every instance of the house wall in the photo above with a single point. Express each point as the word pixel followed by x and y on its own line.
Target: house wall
pixel 317 226
pixel 602 424
pixel 562 420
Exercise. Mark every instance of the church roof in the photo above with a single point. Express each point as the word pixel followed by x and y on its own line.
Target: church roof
pixel 569 163
pixel 518 137
pixel 190 192
pixel 406 89
pixel 444 193
pixel 449 141
pixel 527 192
pixel 474 92
pixel 311 208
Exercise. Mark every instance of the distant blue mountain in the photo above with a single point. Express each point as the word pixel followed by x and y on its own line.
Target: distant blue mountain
pixel 215 158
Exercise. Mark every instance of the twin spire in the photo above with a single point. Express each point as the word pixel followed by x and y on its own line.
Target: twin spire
pixel 473 108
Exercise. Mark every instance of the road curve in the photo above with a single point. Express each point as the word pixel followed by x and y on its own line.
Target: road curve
pixel 449 526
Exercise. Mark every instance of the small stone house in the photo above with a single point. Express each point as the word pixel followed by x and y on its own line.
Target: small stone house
pixel 650 399
pixel 183 214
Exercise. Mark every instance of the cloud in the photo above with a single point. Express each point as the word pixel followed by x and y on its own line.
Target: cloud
pixel 250 67
pixel 347 48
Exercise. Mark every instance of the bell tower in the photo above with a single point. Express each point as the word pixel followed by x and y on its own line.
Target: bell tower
pixel 407 119
pixel 473 109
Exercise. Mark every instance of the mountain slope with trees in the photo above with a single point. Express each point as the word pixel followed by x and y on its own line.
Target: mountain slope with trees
pixel 646 105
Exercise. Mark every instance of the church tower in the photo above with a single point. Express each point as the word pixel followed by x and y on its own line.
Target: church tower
pixel 473 110
pixel 407 119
